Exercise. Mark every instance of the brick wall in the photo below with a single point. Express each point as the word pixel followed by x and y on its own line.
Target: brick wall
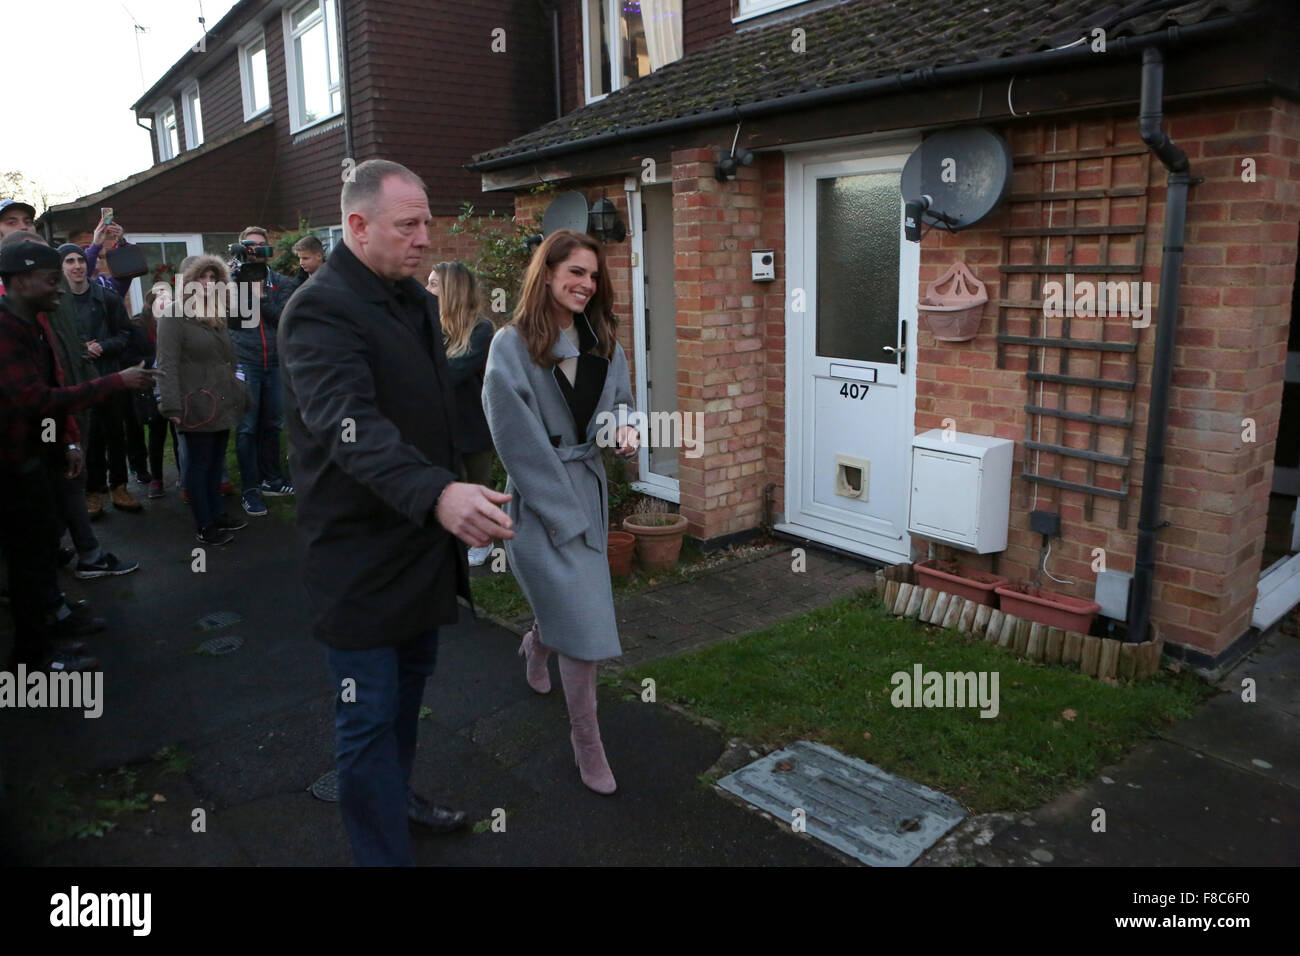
pixel 1230 352
pixel 730 338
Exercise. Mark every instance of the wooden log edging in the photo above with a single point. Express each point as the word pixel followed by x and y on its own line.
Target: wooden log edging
pixel 1106 659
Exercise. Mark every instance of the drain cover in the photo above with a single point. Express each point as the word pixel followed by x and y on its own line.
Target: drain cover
pixel 326 787
pixel 849 804
pixel 218 619
pixel 216 646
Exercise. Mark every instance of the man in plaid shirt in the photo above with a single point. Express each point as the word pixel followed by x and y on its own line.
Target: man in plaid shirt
pixel 37 428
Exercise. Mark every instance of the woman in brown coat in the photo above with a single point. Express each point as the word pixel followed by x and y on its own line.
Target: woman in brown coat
pixel 200 390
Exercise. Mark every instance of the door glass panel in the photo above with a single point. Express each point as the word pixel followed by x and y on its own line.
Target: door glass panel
pixel 857 266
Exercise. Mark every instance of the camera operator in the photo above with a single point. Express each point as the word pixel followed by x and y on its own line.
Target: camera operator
pixel 257 440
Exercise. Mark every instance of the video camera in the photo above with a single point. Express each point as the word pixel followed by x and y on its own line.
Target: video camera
pixel 251 260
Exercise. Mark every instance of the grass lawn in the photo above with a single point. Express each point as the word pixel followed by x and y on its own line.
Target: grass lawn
pixel 825 676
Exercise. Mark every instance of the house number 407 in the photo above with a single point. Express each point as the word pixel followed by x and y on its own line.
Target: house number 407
pixel 853 391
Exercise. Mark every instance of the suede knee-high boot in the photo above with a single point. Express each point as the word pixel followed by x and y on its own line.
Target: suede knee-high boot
pixel 579 680
pixel 535 655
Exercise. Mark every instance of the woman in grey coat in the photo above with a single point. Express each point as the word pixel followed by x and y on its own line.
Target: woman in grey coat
pixel 556 389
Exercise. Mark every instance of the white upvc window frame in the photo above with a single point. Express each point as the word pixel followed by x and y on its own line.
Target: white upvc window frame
pixel 246 85
pixel 748 9
pixel 331 237
pixel 292 67
pixel 160 114
pixel 613 39
pixel 190 98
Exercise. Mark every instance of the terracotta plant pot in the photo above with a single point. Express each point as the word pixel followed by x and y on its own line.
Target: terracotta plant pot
pixel 1046 607
pixel 964 582
pixel 619 552
pixel 953 305
pixel 658 545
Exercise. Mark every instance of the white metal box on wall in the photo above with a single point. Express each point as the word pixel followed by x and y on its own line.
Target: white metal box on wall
pixel 961 490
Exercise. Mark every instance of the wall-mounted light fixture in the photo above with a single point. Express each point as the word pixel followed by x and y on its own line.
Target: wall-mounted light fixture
pixel 603 221
pixel 728 163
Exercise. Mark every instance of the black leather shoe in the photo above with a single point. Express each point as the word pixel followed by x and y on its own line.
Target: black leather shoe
pixel 436 818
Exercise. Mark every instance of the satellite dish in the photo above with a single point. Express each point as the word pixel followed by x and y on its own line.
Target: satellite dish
pixel 568 211
pixel 955 178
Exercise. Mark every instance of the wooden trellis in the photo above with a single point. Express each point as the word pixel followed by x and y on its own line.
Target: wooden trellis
pixel 1069 224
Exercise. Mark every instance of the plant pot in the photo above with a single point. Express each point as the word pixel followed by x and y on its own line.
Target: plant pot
pixel 953 305
pixel 658 546
pixel 619 553
pixel 966 582
pixel 1046 607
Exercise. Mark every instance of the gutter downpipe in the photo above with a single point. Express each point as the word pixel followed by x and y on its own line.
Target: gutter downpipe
pixel 1179 180
pixel 935 76
pixel 345 81
pixel 553 8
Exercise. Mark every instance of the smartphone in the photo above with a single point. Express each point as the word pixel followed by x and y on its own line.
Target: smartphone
pixel 106 213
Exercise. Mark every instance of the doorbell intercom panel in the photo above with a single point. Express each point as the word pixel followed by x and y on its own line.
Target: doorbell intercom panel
pixel 763 265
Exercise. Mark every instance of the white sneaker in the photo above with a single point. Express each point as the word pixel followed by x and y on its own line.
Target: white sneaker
pixel 479 555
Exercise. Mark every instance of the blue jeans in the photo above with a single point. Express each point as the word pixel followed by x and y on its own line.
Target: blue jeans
pixel 375 730
pixel 205 453
pixel 257 441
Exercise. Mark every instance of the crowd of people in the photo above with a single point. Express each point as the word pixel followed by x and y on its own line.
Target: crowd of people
pixel 397 395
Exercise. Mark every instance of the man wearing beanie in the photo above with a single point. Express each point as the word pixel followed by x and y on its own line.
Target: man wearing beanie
pixel 106 330
pixel 35 428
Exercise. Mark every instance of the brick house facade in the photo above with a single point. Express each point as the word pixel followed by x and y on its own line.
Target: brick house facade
pixel 409 66
pixel 1073 133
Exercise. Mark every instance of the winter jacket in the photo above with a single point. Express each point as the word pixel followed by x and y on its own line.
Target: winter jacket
pixel 367 398
pixel 199 385
pixel 467 370
pixel 257 346
pixel 546 432
pixel 107 324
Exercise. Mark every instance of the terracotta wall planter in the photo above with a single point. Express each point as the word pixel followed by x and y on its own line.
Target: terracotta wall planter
pixel 977 586
pixel 619 552
pixel 657 545
pixel 1046 607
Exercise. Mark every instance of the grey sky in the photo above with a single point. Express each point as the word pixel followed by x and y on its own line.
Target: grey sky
pixel 90 46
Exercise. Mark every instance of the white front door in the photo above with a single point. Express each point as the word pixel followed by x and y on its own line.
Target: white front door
pixel 850 331
pixel 655 322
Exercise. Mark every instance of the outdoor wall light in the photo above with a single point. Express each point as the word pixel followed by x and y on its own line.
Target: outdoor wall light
pixel 603 221
pixel 728 163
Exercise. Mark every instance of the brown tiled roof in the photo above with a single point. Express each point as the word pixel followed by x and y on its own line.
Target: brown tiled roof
pixel 855 41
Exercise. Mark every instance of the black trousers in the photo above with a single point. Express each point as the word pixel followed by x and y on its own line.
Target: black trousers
pixel 106 443
pixel 28 539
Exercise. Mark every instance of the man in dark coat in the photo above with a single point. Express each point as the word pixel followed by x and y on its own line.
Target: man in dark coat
pixel 369 404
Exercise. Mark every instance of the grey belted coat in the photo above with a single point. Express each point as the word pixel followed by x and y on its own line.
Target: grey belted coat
pixel 560 507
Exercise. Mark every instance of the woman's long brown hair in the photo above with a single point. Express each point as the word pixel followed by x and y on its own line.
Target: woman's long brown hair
pixel 533 318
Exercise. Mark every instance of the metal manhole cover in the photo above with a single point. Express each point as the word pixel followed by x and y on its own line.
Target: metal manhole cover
pixel 218 619
pixel 216 646
pixel 326 787
pixel 859 809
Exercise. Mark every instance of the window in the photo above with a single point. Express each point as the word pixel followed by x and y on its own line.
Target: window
pixel 312 61
pixel 754 8
pixel 330 236
pixel 253 77
pixel 626 39
pixel 164 124
pixel 193 117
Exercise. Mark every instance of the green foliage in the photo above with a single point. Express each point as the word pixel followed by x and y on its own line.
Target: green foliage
pixel 616 480
pixel 286 263
pixel 502 256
